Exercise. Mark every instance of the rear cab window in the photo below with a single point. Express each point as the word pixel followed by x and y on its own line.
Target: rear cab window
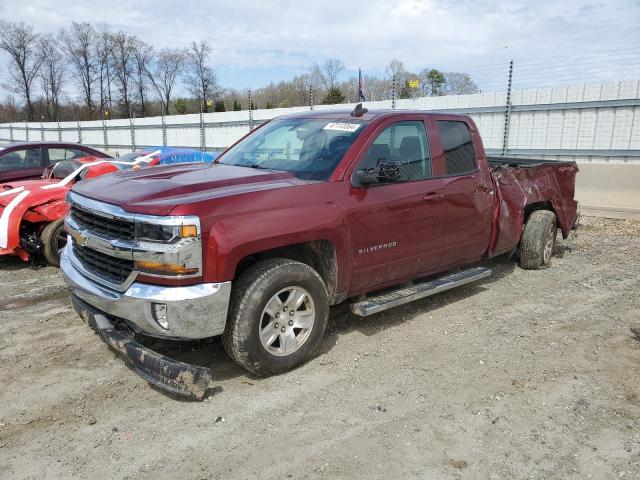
pixel 459 152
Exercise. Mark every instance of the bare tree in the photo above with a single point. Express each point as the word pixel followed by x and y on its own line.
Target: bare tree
pixel 51 74
pixel 315 78
pixel 8 109
pixel 104 69
pixel 375 88
pixel 395 67
pixel 78 42
pixel 332 68
pixel 328 72
pixel 200 80
pixel 123 68
pixel 165 71
pixel 142 57
pixel 19 41
pixel 459 84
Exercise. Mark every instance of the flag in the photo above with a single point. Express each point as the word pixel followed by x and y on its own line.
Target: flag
pixel 361 87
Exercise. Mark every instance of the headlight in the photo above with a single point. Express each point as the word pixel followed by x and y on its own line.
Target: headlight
pixel 154 232
pixel 168 246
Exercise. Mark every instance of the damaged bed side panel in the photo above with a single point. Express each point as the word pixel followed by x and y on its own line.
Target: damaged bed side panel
pixel 517 188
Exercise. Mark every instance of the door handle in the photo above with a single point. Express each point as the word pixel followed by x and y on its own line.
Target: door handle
pixel 433 197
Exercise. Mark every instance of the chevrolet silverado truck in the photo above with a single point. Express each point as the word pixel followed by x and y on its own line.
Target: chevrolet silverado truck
pixel 307 211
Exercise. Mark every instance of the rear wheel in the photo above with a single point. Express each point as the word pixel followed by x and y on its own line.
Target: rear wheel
pixel 279 310
pixel 54 238
pixel 538 240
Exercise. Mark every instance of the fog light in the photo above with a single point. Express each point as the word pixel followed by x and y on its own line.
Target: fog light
pixel 160 315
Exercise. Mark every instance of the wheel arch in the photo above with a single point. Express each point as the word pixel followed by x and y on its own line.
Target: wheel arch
pixel 532 207
pixel 320 255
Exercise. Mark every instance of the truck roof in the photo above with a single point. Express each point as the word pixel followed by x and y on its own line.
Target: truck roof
pixel 370 115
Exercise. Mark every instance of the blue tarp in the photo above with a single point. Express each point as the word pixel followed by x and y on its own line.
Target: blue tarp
pixel 172 155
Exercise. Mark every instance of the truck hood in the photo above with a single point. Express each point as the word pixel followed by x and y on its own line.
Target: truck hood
pixel 156 191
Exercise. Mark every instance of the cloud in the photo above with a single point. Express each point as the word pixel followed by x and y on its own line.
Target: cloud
pixel 255 41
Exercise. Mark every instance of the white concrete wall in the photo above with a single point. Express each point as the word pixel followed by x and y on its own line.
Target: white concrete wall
pixel 598 128
pixel 594 124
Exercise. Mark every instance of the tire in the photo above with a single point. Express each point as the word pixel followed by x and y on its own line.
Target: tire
pixel 53 240
pixel 254 309
pixel 538 240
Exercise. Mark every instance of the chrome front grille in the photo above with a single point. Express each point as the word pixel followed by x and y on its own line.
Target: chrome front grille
pixel 112 269
pixel 105 247
pixel 107 227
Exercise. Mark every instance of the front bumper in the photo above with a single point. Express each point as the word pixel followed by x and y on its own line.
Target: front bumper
pixel 179 378
pixel 192 312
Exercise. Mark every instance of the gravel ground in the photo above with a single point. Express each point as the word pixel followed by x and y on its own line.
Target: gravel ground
pixel 529 374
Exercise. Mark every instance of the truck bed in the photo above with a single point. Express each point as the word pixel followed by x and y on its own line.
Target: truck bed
pixel 525 184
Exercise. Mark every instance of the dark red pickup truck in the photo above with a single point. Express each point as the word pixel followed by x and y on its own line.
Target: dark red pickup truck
pixel 307 211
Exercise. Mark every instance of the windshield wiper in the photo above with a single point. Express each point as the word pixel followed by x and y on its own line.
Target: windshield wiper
pixel 254 165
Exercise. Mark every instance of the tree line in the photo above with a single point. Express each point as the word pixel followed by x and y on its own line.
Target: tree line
pixel 116 74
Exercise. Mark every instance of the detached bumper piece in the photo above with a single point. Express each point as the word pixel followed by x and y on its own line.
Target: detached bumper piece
pixel 176 377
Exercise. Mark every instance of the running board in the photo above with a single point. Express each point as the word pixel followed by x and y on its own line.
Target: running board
pixel 385 301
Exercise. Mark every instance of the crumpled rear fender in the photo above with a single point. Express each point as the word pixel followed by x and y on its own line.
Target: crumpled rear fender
pixel 518 188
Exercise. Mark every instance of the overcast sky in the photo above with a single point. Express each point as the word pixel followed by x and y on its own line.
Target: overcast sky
pixel 256 42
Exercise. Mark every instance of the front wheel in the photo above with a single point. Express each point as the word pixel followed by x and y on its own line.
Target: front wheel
pixel 279 310
pixel 54 238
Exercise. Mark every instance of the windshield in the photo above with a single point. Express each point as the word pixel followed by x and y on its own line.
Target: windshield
pixel 308 148
pixel 130 157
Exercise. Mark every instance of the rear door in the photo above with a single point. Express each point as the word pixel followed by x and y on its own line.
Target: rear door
pixel 396 227
pixel 468 193
pixel 21 163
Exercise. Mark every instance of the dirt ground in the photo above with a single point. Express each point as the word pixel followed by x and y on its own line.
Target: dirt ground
pixel 529 374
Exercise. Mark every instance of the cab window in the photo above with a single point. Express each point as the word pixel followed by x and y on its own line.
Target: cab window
pixel 405 144
pixel 58 154
pixel 459 154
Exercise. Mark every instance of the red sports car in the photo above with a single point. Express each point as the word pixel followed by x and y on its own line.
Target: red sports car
pixel 32 211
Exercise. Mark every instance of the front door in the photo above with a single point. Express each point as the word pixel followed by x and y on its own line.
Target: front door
pixel 396 226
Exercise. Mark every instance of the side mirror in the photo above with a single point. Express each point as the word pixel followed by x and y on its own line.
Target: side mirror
pixel 383 172
pixel 365 177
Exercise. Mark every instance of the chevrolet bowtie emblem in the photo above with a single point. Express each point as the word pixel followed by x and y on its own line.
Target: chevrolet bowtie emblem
pixel 79 238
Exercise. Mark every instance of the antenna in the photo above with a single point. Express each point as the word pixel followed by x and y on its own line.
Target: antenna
pixel 359 111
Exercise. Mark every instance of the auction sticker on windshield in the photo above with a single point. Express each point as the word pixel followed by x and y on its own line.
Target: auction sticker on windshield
pixel 343 127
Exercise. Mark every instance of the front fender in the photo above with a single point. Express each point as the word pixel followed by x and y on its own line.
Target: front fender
pixel 10 219
pixel 51 211
pixel 234 238
pixel 33 205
